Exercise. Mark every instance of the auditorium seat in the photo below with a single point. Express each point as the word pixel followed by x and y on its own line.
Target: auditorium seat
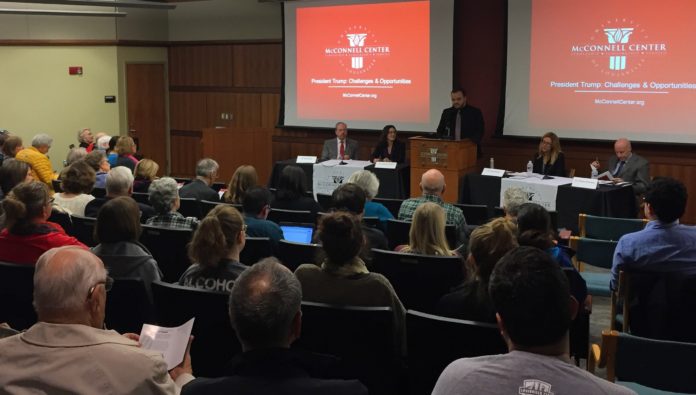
pixel 169 248
pixel 293 254
pixel 607 228
pixel 255 249
pixel 189 207
pixel 16 295
pixel 98 192
pixel 83 229
pixel 56 186
pixel 62 219
pixel 278 216
pixel 325 201
pixel 206 206
pixel 141 197
pixel 598 253
pixel 393 205
pixel 475 214
pixel 128 306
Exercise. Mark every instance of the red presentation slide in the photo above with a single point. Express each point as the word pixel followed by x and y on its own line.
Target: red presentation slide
pixel 613 65
pixel 364 62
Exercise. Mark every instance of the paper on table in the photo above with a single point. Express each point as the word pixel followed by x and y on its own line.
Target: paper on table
pixel 171 342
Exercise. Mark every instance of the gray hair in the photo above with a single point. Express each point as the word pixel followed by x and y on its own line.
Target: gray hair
pixel 263 303
pixel 79 134
pixel 64 288
pixel 163 193
pixel 206 167
pixel 119 181
pixel 513 198
pixel 366 180
pixel 41 139
pixel 103 142
pixel 74 155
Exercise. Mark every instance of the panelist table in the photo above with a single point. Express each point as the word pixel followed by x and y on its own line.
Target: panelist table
pixel 393 183
pixel 607 200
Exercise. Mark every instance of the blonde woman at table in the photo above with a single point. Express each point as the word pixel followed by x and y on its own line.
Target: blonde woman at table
pixel 549 159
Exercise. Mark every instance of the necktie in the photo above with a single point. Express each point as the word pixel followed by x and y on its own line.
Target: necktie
pixel 618 169
pixel 342 151
pixel 458 126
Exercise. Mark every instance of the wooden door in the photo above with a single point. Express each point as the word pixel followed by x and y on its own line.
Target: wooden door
pixel 147 116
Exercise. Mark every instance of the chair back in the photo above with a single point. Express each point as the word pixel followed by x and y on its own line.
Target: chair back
pixel 419 280
pixel 182 181
pixel 141 197
pixel 324 201
pixel 190 207
pixel 217 186
pixel 206 206
pixel 434 342
pixel 293 254
pixel 169 248
pixel 278 215
pixel 393 205
pixel 129 306
pixel 599 253
pixel 215 341
pixel 498 212
pixel 255 249
pixel 372 222
pixel 607 228
pixel 98 192
pixel 62 219
pixel 16 293
pixel 56 186
pixel 83 229
pixel 475 214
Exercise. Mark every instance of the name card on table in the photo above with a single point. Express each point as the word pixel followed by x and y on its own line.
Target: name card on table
pixel 487 171
pixel 385 165
pixel 587 183
pixel 306 159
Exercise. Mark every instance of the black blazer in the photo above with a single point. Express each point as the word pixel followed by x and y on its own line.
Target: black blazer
pixel 199 190
pixel 472 123
pixel 397 155
pixel 556 169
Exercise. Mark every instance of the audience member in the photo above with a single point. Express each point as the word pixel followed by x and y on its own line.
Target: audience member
pixel 627 166
pixel 36 156
pixel 77 182
pixel 389 148
pixel 369 182
pixel 67 351
pixel 102 142
pixel 265 313
pixel 549 159
pixel 664 244
pixel 513 198
pixel 244 177
pixel 351 198
pixel 13 172
pixel 341 147
pixel 119 182
pixel 214 249
pixel 342 278
pixel 111 154
pixel 75 154
pixel 433 187
pixel 145 172
pixel 97 160
pixel 256 206
pixel 427 234
pixel 164 198
pixel 487 244
pixel 200 187
pixel 534 311
pixel 85 138
pixel 28 234
pixel 117 231
pixel 126 149
pixel 12 146
pixel 291 192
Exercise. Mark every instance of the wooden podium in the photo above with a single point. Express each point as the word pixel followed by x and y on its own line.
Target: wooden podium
pixel 233 147
pixel 452 158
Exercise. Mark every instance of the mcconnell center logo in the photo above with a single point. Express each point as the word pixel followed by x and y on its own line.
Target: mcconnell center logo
pixel 619 47
pixel 357 49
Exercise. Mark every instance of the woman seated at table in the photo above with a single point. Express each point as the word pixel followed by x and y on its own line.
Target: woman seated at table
pixel 291 192
pixel 550 159
pixel 388 148
pixel 427 234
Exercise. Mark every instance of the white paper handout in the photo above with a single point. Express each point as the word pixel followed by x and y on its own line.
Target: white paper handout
pixel 171 342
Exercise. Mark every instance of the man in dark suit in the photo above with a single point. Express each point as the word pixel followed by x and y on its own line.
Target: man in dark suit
pixel 461 121
pixel 119 182
pixel 265 313
pixel 199 187
pixel 341 147
pixel 627 166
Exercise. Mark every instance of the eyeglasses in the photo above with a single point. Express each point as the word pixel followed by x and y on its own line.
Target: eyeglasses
pixel 108 283
pixel 244 228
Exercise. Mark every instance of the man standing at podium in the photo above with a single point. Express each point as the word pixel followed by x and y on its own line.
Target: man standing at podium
pixel 461 121
pixel 341 147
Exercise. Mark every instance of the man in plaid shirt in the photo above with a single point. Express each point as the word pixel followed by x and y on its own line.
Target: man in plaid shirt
pixel 433 186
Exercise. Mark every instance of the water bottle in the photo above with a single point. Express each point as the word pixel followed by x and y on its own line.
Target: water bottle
pixel 492 166
pixel 595 172
pixel 530 168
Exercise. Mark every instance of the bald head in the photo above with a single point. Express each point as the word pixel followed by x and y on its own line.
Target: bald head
pixel 433 182
pixel 622 148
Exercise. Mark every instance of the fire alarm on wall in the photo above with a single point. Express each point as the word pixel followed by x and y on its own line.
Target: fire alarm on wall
pixel 75 70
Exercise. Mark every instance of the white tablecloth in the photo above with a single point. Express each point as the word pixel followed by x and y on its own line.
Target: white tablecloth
pixel 329 175
pixel 540 191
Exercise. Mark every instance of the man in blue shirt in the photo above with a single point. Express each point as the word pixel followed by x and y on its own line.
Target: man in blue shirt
pixel 664 244
pixel 256 206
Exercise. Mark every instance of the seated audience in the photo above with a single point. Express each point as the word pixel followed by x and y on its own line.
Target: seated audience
pixel 86 139
pixel 67 351
pixel 77 182
pixel 351 198
pixel 427 234
pixel 117 231
pixel 200 187
pixel 215 249
pixel 126 149
pixel 369 182
pixel 291 192
pixel 513 198
pixel 342 278
pixel 534 309
pixel 111 153
pixel 12 146
pixel 389 148
pixel 244 177
pixel 102 142
pixel 487 244
pixel 119 182
pixel 145 172
pixel 36 157
pixel 256 206
pixel 12 172
pixel 664 244
pixel 28 234
pixel 265 313
pixel 164 198
pixel 549 159
pixel 75 154
pixel 97 160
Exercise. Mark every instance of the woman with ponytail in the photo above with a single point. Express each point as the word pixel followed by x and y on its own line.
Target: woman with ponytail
pixel 28 234
pixel 214 249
